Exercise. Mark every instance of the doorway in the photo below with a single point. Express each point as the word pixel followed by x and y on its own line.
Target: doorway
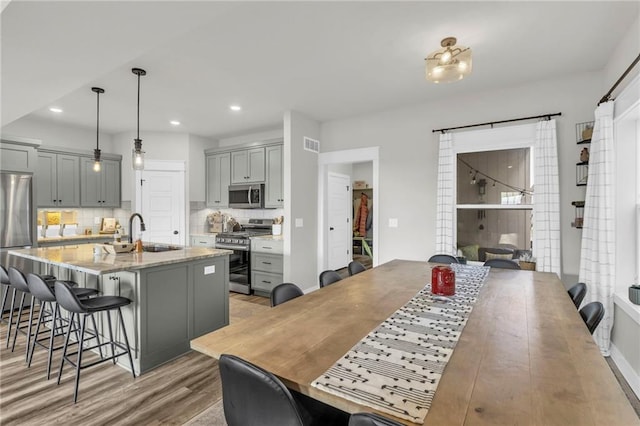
pixel 160 199
pixel 325 163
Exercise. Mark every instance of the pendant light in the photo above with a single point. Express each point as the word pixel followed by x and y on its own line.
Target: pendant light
pixel 138 153
pixel 96 152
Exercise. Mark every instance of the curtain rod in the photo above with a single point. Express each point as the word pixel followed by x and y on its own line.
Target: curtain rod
pixel 607 97
pixel 491 123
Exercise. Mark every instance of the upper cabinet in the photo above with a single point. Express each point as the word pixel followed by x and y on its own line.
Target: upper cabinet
pixel 18 156
pixel 100 189
pixel 274 179
pixel 218 177
pixel 247 166
pixel 58 180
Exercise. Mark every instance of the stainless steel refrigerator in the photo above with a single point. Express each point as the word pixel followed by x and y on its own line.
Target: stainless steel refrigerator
pixel 16 211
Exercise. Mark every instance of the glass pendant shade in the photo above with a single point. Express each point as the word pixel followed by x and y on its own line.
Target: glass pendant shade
pixel 137 158
pixel 96 152
pixel 96 160
pixel 450 63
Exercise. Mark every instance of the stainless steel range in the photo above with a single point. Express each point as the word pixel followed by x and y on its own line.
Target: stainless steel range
pixel 240 260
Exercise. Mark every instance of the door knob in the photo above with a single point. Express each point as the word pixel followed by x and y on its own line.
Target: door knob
pixel 331 228
pixel 175 232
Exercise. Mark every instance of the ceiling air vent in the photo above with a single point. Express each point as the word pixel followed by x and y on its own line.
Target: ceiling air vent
pixel 311 145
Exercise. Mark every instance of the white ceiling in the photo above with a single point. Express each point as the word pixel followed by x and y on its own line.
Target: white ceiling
pixel 327 60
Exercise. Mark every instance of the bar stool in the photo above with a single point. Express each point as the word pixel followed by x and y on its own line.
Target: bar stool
pixel 41 291
pixel 18 282
pixel 6 286
pixel 83 308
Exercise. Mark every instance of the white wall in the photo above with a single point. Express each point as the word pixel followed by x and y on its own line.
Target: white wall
pixel 252 137
pixel 409 154
pixel 624 54
pixel 59 135
pixel 196 166
pixel 300 202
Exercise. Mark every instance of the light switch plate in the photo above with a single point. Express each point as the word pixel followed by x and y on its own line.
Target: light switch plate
pixel 393 222
pixel 299 222
pixel 208 270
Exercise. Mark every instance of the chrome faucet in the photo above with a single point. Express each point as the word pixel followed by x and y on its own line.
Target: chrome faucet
pixel 142 227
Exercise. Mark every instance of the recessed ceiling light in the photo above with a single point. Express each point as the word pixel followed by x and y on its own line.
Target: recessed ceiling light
pixel 55 109
pixel 174 122
pixel 235 107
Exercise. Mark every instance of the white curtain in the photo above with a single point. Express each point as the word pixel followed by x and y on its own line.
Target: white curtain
pixel 446 202
pixel 597 268
pixel 546 199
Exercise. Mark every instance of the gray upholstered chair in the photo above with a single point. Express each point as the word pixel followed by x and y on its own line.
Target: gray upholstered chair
pixel 329 277
pixel 443 258
pixel 284 292
pixel 577 293
pixel 502 263
pixel 355 267
pixel 592 313
pixel 371 419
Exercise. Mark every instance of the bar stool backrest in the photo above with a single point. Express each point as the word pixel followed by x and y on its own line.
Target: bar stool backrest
pixel 17 279
pixel 67 299
pixel 4 276
pixel 39 288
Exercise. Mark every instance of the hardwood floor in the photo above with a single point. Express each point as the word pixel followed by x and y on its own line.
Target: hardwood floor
pixel 169 395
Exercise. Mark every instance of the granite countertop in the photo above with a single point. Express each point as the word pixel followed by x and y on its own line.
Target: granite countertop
pixel 81 258
pixel 58 238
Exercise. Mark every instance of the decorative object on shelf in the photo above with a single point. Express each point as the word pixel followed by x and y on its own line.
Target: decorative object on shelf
pixel 96 152
pixel 360 184
pixel 634 294
pixel 450 63
pixel 584 131
pixel 578 220
pixel 138 153
pixel 584 155
pixel 527 262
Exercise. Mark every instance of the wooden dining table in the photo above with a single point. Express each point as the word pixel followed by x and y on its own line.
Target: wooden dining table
pixel 524 357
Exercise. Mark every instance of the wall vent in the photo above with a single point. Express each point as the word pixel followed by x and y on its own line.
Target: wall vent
pixel 311 145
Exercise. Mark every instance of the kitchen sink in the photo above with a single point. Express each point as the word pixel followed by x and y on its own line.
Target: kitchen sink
pixel 160 247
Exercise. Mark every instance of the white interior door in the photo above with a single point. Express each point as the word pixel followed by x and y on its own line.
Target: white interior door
pixel 162 206
pixel 339 230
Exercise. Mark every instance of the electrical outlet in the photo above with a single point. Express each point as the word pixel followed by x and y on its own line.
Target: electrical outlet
pixel 393 222
pixel 299 222
pixel 208 270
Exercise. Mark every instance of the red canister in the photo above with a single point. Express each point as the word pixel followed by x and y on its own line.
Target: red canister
pixel 443 281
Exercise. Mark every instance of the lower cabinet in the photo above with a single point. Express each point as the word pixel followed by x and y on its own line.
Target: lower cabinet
pixel 266 265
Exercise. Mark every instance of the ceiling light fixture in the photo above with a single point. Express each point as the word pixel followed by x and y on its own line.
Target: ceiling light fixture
pixel 96 152
pixel 174 122
pixel 138 153
pixel 450 63
pixel 235 108
pixel 55 109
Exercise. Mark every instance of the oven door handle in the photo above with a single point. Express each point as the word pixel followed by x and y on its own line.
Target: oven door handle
pixel 231 247
pixel 249 196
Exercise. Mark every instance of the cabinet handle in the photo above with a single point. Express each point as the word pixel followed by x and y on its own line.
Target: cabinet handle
pixel 267 248
pixel 266 282
pixel 266 263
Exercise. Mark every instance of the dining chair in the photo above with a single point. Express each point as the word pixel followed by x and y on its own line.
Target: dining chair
pixel 329 277
pixel 355 267
pixel 284 292
pixel 577 293
pixel 253 396
pixel 592 313
pixel 371 419
pixel 442 258
pixel 502 263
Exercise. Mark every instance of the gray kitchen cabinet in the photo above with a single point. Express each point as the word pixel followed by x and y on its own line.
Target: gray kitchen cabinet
pixel 274 177
pixel 218 177
pixel 57 180
pixel 266 265
pixel 100 189
pixel 247 166
pixel 18 156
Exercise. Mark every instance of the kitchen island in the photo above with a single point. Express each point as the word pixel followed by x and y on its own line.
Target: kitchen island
pixel 177 294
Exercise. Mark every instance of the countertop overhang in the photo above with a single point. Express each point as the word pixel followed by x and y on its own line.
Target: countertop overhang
pixel 81 258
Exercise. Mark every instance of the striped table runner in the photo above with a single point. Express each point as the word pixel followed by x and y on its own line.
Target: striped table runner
pixel 396 368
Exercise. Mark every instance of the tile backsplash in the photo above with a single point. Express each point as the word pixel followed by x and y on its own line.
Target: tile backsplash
pixel 198 217
pixel 91 218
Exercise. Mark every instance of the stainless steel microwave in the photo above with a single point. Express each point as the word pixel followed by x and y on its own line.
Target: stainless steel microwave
pixel 246 196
